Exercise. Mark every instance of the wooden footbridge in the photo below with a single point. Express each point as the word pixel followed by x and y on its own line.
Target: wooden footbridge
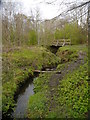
pixel 54 46
pixel 60 42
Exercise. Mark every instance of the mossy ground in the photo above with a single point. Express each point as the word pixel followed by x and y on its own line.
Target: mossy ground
pixel 18 65
pixel 62 97
pixel 70 96
pixel 70 53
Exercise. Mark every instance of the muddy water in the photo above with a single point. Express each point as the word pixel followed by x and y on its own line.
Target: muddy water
pixel 22 99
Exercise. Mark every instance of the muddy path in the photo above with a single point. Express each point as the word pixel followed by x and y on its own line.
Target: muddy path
pixel 56 78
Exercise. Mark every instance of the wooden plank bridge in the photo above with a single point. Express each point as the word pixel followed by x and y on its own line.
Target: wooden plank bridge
pixel 61 42
pixel 54 46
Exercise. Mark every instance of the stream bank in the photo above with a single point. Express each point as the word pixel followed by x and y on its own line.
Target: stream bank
pixel 17 67
pixel 22 99
pixel 63 95
pixel 23 94
pixel 38 105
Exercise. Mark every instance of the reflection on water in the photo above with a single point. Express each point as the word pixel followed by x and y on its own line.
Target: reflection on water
pixel 22 100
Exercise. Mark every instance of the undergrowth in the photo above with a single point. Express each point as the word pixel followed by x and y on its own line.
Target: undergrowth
pixel 71 98
pixel 71 53
pixel 37 106
pixel 18 65
pixel 73 94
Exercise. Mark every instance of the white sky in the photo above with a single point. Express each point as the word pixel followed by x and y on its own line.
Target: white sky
pixel 46 11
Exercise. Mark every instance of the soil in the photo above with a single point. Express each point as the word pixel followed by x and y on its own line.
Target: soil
pixel 55 79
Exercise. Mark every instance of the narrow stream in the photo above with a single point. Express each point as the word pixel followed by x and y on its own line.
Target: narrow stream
pixel 22 99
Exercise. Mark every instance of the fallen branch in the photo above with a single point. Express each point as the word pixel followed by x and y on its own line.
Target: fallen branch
pixel 38 71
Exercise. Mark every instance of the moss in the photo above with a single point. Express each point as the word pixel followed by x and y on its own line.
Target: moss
pixel 67 55
pixel 18 65
pixel 71 95
pixel 70 53
pixel 71 98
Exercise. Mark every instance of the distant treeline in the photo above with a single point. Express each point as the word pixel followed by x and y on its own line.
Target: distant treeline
pixel 19 30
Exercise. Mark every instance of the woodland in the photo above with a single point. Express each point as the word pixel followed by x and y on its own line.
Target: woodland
pixel 45 66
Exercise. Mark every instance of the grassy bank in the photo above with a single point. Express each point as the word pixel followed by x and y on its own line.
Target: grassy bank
pixel 71 97
pixel 70 53
pixel 68 98
pixel 18 66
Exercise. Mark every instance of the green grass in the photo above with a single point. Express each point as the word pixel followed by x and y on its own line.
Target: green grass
pixel 37 106
pixel 18 66
pixel 42 80
pixel 72 99
pixel 83 48
pixel 35 57
pixel 70 53
pixel 73 93
pixel 62 66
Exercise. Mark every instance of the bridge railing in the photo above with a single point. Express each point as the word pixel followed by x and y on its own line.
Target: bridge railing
pixel 61 42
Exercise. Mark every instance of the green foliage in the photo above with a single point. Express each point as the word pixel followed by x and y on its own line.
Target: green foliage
pixel 32 38
pixel 12 36
pixel 59 34
pixel 62 66
pixel 42 80
pixel 37 57
pixel 73 32
pixel 37 106
pixel 73 93
pixel 9 89
pixel 70 53
pixel 76 48
pixel 72 99
pixel 67 54
pixel 52 115
pixel 18 66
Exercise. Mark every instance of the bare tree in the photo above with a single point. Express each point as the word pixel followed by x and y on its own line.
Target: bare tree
pixel 37 23
pixel 8 25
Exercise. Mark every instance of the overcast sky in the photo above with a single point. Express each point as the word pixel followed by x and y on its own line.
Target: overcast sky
pixel 47 11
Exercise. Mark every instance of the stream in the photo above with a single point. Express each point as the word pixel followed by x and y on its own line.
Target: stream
pixel 23 96
pixel 22 99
